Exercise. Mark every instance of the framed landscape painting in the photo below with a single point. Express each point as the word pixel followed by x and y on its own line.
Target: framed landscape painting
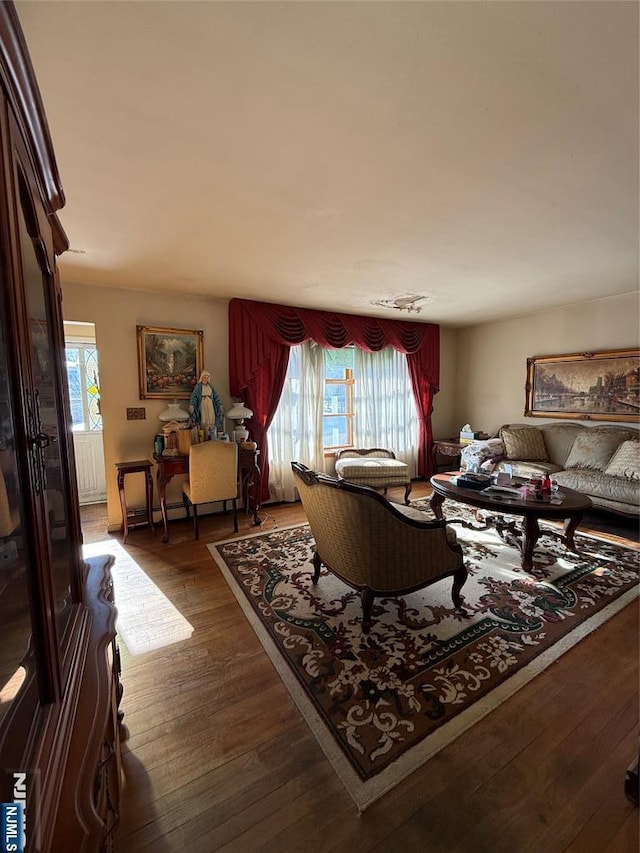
pixel 169 362
pixel 596 386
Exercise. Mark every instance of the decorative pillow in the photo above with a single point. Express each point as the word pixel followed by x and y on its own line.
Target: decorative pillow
pixel 625 462
pixel 593 449
pixel 524 444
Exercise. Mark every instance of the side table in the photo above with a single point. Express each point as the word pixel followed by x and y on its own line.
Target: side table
pixel 142 466
pixel 447 447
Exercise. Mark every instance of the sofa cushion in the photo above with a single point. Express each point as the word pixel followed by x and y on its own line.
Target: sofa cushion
pixel 601 488
pixel 558 439
pixel 527 469
pixel 625 462
pixel 593 449
pixel 525 443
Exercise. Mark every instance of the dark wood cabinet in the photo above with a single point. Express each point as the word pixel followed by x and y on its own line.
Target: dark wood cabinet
pixel 59 664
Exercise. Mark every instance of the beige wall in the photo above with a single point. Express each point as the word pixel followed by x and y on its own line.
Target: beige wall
pixel 482 368
pixel 116 313
pixel 444 418
pixel 492 357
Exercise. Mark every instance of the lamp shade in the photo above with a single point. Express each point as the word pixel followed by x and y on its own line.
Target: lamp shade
pixel 238 412
pixel 173 412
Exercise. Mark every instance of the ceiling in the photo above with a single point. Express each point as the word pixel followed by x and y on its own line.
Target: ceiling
pixel 448 162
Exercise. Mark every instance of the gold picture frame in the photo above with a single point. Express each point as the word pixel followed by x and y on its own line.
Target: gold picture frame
pixel 170 362
pixel 589 386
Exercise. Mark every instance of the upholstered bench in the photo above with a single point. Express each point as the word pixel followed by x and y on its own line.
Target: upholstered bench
pixel 374 467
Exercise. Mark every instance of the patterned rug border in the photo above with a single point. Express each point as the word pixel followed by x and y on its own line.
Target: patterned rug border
pixel 365 793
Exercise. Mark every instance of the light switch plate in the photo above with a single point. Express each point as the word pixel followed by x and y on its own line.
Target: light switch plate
pixel 137 414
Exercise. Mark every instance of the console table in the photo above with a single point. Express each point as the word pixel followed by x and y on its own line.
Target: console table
pixel 248 478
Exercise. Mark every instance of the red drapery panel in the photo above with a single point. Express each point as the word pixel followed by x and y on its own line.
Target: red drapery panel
pixel 260 335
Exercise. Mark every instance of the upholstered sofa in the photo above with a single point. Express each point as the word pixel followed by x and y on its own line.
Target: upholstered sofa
pixel 600 460
pixel 373 545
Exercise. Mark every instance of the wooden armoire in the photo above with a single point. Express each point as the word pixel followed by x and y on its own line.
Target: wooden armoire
pixel 59 666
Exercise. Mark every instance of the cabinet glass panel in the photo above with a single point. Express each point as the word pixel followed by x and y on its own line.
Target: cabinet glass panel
pixel 15 618
pixel 46 424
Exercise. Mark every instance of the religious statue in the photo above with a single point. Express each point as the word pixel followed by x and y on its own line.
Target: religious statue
pixel 205 407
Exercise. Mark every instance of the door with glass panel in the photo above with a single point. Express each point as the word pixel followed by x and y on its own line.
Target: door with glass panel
pixel 83 376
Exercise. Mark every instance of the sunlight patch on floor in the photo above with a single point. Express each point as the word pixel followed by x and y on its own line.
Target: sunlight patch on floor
pixel 147 620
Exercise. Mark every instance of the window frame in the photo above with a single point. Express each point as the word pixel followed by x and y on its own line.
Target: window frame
pixel 347 382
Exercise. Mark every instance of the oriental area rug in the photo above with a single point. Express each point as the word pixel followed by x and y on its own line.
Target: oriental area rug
pixel 383 703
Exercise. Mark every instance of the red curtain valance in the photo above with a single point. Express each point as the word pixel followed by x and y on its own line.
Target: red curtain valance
pixel 261 333
pixel 255 326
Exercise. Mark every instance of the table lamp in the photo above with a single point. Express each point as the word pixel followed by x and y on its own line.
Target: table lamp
pixel 238 412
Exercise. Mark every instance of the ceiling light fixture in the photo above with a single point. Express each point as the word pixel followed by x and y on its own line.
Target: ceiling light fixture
pixel 406 303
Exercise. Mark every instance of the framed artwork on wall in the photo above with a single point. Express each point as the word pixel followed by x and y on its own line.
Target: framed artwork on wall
pixel 598 386
pixel 169 362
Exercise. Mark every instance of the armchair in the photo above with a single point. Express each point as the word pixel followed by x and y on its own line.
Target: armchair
pixel 374 546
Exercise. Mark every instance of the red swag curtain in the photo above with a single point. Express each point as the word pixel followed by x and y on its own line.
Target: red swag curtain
pixel 260 335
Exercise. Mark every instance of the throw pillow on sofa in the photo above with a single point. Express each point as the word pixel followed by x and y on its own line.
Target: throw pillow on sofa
pixel 625 462
pixel 593 449
pixel 526 444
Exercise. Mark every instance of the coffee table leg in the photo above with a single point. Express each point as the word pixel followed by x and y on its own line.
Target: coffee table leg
pixel 570 525
pixel 531 534
pixel 435 502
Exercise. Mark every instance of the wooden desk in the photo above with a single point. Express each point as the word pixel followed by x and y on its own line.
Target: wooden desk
pixel 142 466
pixel 248 481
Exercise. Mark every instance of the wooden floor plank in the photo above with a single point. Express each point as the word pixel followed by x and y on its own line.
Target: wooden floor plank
pixel 219 758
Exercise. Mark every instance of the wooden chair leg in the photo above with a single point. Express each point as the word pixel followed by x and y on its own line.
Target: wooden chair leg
pixel 366 597
pixel 235 516
pixel 317 564
pixel 195 521
pixel 407 492
pixel 459 580
pixel 185 501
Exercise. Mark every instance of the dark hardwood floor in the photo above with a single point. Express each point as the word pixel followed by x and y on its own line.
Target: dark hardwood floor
pixel 218 757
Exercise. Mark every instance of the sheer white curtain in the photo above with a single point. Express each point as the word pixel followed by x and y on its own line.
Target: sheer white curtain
pixel 383 402
pixel 296 430
pixel 385 413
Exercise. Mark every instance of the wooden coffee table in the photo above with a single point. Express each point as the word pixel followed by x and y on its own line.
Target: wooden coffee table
pixel 573 507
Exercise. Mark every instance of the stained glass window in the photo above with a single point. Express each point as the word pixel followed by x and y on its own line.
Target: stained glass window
pixel 84 386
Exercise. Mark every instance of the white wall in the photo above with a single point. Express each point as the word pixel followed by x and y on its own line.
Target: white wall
pixel 116 313
pixel 492 357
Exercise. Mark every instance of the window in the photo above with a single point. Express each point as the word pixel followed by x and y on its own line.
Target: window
pixel 84 386
pixel 338 399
